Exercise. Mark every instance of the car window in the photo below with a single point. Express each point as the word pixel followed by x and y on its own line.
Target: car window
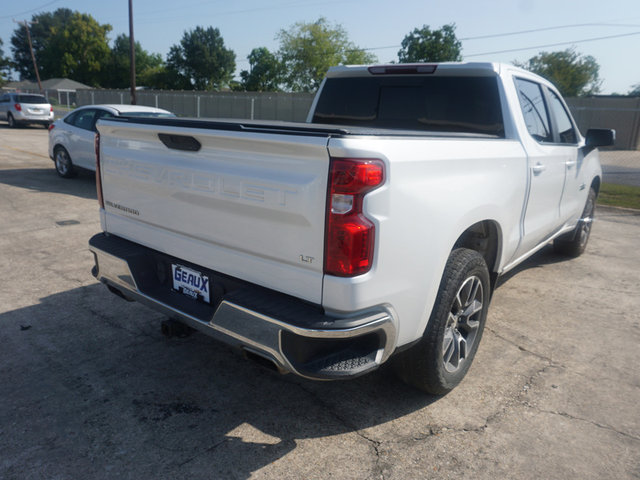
pixel 38 99
pixel 566 130
pixel 83 119
pixel 534 110
pixel 71 117
pixel 4 99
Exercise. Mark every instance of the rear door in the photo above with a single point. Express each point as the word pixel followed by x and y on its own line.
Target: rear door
pixel 547 164
pixel 250 205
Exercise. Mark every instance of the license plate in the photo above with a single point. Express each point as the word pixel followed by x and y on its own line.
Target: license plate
pixel 191 283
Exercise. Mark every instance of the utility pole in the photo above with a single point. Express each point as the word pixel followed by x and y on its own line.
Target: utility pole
pixel 132 54
pixel 33 57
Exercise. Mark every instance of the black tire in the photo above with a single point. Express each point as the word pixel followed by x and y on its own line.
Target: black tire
pixel 441 359
pixel 63 164
pixel 11 121
pixel 574 243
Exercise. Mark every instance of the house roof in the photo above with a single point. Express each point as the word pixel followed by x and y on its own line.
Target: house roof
pixel 50 84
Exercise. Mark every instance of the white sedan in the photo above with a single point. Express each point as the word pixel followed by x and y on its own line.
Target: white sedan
pixel 71 139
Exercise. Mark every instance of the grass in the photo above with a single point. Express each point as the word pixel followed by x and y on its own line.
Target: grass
pixel 619 196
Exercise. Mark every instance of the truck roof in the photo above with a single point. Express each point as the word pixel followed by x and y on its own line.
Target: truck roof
pixel 448 68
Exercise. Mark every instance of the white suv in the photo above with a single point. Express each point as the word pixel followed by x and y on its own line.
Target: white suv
pixel 71 138
pixel 23 108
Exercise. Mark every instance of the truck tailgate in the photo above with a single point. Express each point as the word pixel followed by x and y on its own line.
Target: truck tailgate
pixel 247 204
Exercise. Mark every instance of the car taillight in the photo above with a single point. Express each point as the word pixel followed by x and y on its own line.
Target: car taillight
pixel 51 108
pixel 18 107
pixel 52 126
pixel 350 235
pixel 96 143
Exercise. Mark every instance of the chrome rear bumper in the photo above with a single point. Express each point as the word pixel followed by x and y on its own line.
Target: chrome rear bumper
pixel 318 346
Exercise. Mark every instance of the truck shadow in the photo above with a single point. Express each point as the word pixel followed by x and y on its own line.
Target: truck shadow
pixel 47 180
pixel 546 256
pixel 89 372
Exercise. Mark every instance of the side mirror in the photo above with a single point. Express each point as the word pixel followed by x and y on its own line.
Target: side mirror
pixel 600 137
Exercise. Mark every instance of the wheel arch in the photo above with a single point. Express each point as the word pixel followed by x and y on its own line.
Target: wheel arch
pixel 485 237
pixel 57 146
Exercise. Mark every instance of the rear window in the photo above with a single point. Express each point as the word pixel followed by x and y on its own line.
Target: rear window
pixel 426 103
pixel 32 99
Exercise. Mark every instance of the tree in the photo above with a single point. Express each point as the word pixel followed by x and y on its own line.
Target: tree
pixel 66 44
pixel 5 65
pixel 201 60
pixel 79 50
pixel 40 28
pixel 573 74
pixel 426 45
pixel 307 50
pixel 118 72
pixel 265 72
pixel 635 90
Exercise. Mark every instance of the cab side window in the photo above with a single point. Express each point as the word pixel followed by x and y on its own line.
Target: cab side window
pixel 566 131
pixel 534 110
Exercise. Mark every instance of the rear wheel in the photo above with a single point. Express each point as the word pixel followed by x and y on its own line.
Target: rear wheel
pixel 443 356
pixel 64 165
pixel 11 121
pixel 574 243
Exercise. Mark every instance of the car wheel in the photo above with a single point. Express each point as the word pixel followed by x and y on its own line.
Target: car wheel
pixel 574 243
pixel 441 359
pixel 64 165
pixel 11 121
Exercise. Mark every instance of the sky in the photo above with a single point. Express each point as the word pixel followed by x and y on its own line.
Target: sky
pixel 490 30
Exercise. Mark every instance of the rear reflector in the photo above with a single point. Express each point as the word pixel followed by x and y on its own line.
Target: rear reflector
pixel 350 235
pixel 402 69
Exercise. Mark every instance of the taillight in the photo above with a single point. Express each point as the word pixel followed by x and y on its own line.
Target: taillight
pixel 96 143
pixel 51 108
pixel 350 235
pixel 18 107
pixel 51 126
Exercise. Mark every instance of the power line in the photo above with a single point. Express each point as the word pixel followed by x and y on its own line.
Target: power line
pixel 30 11
pixel 545 29
pixel 521 32
pixel 553 44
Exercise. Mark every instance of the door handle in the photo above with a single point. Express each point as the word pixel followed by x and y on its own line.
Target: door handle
pixel 538 168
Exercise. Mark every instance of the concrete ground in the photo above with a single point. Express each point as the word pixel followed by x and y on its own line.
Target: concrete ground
pixel 91 389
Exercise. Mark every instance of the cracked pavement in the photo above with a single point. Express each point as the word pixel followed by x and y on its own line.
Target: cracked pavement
pixel 91 389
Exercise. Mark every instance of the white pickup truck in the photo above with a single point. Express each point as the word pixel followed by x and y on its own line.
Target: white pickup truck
pixel 374 231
